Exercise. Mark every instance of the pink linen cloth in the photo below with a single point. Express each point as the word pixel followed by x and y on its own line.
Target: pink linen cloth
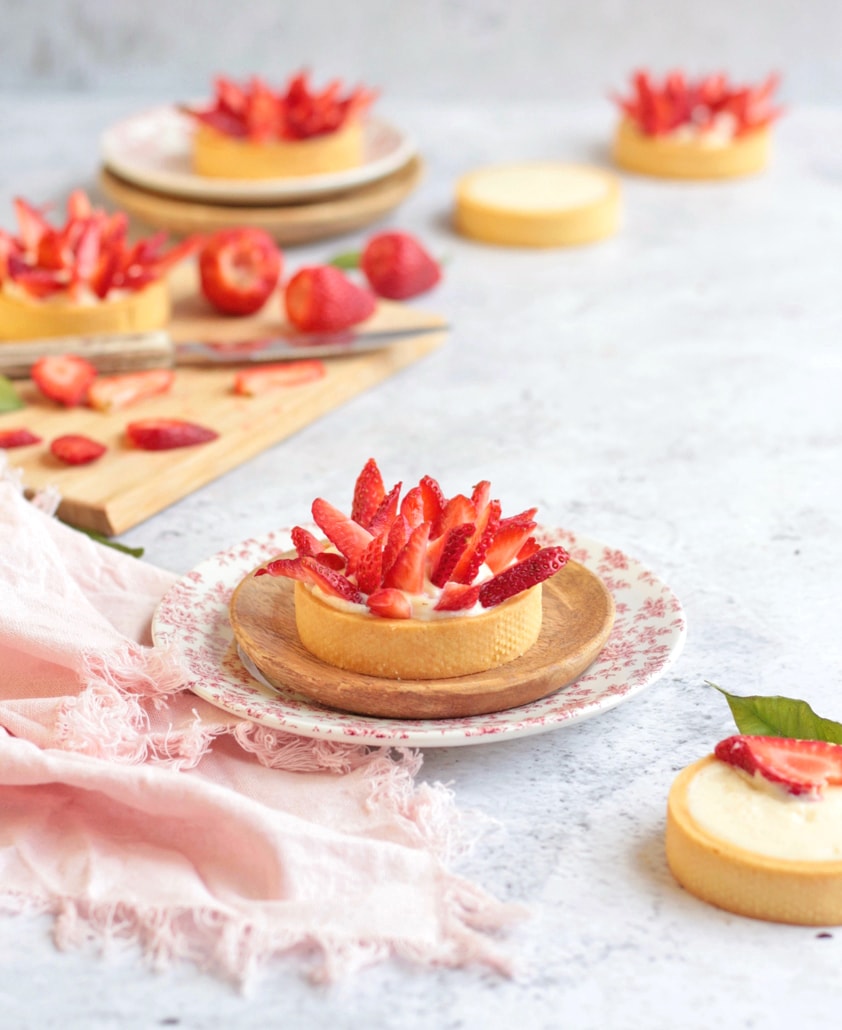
pixel 133 809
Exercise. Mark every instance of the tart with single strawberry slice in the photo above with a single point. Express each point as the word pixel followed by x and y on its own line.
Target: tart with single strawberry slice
pixel 82 277
pixel 704 129
pixel 420 606
pixel 756 828
pixel 252 131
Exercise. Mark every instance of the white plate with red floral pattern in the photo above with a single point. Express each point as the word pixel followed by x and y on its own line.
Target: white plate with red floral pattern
pixel 648 635
pixel 152 149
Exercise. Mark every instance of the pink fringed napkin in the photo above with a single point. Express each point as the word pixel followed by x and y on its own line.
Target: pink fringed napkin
pixel 132 808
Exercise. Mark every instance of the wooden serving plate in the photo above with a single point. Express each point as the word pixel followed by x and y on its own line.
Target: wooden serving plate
pixel 288 224
pixel 577 619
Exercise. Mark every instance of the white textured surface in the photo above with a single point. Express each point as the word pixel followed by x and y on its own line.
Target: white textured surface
pixel 673 391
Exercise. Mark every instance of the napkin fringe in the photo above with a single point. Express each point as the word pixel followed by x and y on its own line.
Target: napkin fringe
pixel 279 750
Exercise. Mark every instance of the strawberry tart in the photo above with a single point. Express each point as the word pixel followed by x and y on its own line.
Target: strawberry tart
pixel 707 129
pixel 756 828
pixel 82 277
pixel 418 587
pixel 251 131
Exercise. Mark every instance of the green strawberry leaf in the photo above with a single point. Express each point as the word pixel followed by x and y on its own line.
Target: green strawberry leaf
pixel 779 717
pixel 349 259
pixel 135 552
pixel 9 399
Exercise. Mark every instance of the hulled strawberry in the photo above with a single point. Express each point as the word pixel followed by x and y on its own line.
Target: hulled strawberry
pixel 424 549
pixel 658 109
pixel 239 270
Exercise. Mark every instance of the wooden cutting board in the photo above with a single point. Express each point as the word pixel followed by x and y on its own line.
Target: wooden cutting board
pixel 126 485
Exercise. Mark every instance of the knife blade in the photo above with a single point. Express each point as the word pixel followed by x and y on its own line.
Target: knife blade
pixel 134 351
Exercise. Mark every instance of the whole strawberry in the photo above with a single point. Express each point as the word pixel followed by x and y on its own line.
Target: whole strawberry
pixel 398 267
pixel 322 299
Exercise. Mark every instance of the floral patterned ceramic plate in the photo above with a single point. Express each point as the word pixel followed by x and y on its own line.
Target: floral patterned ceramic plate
pixel 152 150
pixel 648 635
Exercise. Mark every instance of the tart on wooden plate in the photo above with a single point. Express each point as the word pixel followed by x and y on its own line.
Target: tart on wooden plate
pixel 702 129
pixel 82 277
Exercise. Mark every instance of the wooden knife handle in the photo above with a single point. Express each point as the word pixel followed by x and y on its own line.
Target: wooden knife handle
pixel 119 353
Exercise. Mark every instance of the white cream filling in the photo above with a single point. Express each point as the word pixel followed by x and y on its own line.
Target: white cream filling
pixel 718 133
pixel 759 816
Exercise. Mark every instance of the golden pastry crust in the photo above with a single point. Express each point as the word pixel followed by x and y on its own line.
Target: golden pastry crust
pixel 415 649
pixel 671 157
pixel 22 318
pixel 749 884
pixel 218 156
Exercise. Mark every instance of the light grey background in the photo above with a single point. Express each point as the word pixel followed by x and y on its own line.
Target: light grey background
pixel 573 50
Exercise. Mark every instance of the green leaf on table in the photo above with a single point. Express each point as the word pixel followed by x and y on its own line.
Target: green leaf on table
pixel 350 259
pixel 135 552
pixel 9 399
pixel 777 716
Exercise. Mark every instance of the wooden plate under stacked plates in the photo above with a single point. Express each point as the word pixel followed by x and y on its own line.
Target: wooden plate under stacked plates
pixel 288 224
pixel 577 620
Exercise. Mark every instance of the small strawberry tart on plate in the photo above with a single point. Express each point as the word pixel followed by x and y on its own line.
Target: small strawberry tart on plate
pixel 756 828
pixel 82 277
pixel 252 131
pixel 422 605
pixel 704 129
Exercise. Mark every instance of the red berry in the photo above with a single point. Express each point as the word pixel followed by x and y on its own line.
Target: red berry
pixel 457 596
pixel 453 547
pixel 347 536
pixel 407 571
pixel 799 766
pixel 17 438
pixel 239 269
pixel 109 393
pixel 368 493
pixel 74 449
pixel 526 574
pixel 250 382
pixel 64 378
pixel 164 434
pixel 322 299
pixel 312 571
pixel 390 604
pixel 398 267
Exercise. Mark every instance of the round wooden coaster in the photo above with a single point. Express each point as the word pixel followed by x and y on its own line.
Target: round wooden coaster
pixel 288 224
pixel 577 619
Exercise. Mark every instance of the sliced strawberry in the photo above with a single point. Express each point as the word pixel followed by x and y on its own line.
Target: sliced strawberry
pixel 480 494
pixel 799 766
pixel 384 517
pixel 368 493
pixel 507 542
pixel 484 530
pixel 456 512
pixel 412 507
pixel 347 536
pixel 395 542
pixel 369 572
pixel 37 282
pixel 10 438
pixel 78 206
pixel 75 449
pixel 409 568
pixel 434 499
pixel 397 266
pixel 529 547
pixel 305 542
pixel 312 571
pixel 111 393
pixel 32 224
pixel 455 540
pixel 456 597
pixel 239 270
pixel 321 298
pixel 164 434
pixel 251 382
pixel 390 604
pixel 64 378
pixel 526 574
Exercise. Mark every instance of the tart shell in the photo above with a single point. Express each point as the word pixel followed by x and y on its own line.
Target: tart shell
pixel 218 156
pixel 25 319
pixel 669 158
pixel 740 881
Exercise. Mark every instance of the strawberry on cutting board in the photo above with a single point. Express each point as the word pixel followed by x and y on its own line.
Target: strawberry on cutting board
pixel 110 393
pixel 64 378
pixel 76 449
pixel 239 270
pixel 321 298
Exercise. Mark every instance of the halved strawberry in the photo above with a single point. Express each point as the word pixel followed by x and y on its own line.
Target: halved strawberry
pixel 395 542
pixel 434 499
pixel 389 603
pixel 412 507
pixel 535 569
pixel 446 558
pixel 369 572
pixel 799 766
pixel 110 393
pixel 164 434
pixel 397 266
pixel 368 493
pixel 251 382
pixel 486 526
pixel 10 438
pixel 305 542
pixel 510 536
pixel 321 298
pixel 75 449
pixel 384 517
pixel 456 512
pixel 456 597
pixel 64 378
pixel 347 536
pixel 529 547
pixel 239 269
pixel 312 571
pixel 408 570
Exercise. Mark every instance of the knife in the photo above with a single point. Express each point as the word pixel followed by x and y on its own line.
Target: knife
pixel 132 351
